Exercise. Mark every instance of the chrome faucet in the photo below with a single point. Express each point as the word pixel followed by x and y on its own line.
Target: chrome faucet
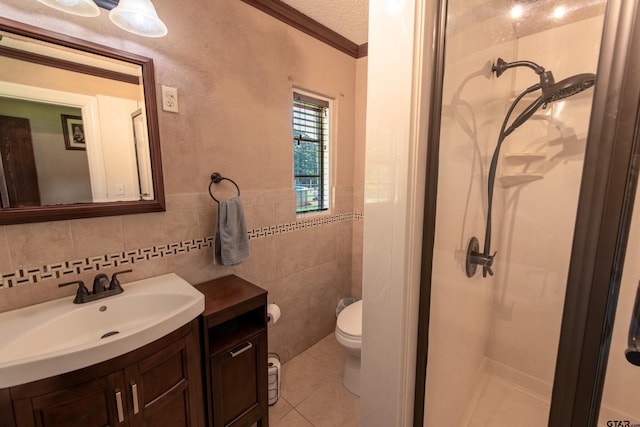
pixel 102 288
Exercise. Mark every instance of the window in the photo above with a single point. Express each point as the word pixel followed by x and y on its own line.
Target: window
pixel 310 153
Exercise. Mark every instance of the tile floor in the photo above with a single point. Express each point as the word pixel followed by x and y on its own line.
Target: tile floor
pixel 312 394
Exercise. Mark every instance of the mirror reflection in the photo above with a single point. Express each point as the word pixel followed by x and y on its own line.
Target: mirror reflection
pixel 78 129
pixel 69 137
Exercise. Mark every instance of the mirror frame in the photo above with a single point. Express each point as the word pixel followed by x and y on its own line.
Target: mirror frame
pixel 30 214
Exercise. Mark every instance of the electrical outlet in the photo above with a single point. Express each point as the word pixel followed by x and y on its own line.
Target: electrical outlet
pixel 119 189
pixel 170 99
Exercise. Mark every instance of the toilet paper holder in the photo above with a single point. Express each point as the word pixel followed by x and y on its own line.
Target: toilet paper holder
pixel 273 314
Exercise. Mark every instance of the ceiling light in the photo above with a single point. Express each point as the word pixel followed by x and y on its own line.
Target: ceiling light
pixel 517 11
pixel 75 7
pixel 559 12
pixel 138 17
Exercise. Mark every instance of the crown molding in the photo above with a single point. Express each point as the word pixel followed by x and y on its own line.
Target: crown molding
pixel 302 22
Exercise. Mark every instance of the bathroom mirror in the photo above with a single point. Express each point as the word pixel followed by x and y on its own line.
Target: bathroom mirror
pixel 78 129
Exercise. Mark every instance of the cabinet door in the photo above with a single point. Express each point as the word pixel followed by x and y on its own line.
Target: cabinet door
pixel 239 383
pixel 91 404
pixel 162 389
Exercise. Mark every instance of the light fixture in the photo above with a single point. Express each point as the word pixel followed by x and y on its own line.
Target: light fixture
pixel 138 17
pixel 517 11
pixel 135 16
pixel 559 12
pixel 75 7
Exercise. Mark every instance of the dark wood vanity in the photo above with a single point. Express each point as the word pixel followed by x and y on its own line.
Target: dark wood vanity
pixel 211 371
pixel 234 345
pixel 156 385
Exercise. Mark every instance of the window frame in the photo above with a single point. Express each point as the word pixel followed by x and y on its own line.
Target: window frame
pixel 327 170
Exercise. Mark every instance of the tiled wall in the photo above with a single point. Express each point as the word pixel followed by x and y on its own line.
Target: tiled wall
pixel 126 259
pixel 229 62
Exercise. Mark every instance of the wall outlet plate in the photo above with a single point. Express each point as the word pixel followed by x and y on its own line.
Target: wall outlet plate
pixel 169 99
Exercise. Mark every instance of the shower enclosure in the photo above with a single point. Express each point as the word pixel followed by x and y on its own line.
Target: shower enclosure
pixel 536 338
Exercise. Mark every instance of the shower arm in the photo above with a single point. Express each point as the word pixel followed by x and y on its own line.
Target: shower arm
pixel 485 259
pixel 501 66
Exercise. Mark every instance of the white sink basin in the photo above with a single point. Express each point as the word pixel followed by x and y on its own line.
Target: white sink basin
pixel 58 336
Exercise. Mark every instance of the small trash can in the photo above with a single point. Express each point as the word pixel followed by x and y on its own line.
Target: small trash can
pixel 343 303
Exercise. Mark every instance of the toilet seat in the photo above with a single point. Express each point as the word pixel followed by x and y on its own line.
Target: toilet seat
pixel 349 322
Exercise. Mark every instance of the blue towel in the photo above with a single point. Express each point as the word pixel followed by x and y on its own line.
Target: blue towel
pixel 231 239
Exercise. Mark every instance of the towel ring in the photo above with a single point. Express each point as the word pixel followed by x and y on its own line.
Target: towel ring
pixel 215 179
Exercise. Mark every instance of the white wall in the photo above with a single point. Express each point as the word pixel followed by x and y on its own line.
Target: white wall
pixel 118 149
pixel 393 201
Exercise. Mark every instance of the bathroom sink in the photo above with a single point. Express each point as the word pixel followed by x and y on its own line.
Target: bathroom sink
pixel 58 336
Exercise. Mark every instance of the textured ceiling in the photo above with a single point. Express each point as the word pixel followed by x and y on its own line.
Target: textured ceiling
pixel 349 18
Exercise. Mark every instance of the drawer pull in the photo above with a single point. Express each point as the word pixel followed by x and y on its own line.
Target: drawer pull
pixel 119 406
pixel 242 350
pixel 134 393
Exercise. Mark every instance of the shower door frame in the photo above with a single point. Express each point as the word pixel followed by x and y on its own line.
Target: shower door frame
pixel 610 175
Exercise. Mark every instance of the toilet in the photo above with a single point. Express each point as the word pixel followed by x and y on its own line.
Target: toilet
pixel 349 335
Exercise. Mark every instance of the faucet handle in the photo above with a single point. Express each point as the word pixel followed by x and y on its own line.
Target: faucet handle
pixel 81 293
pixel 100 283
pixel 115 283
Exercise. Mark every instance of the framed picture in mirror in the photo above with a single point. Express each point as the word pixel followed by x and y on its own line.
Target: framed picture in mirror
pixel 73 132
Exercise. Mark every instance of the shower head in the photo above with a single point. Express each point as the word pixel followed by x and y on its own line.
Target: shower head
pixel 570 86
pixel 551 91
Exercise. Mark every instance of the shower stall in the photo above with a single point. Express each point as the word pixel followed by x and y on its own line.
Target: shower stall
pixel 532 182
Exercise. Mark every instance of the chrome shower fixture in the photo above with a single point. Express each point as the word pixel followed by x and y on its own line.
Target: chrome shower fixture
pixel 550 92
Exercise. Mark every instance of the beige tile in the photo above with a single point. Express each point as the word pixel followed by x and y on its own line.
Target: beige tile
pixel 259 214
pixel 259 268
pixel 279 410
pixel 303 249
pixel 301 376
pixel 182 201
pixel 285 207
pixel 33 245
pixel 96 236
pixel 181 225
pixel 293 419
pixel 331 405
pixel 207 221
pixel 330 352
pixel 308 301
pixel 142 231
pixel 5 255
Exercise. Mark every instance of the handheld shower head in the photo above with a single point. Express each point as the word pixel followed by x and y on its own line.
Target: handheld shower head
pixel 570 86
pixel 551 91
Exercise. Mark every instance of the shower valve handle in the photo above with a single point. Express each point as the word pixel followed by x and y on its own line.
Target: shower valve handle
pixel 486 267
pixel 475 258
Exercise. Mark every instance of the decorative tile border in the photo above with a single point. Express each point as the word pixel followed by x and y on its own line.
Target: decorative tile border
pixel 69 268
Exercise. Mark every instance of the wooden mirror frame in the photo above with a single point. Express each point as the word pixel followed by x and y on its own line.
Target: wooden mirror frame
pixel 21 215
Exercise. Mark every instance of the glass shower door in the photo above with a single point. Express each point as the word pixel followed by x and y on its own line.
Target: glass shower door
pixel 620 405
pixel 493 337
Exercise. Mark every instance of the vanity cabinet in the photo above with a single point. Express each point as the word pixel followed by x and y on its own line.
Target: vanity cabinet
pixel 234 345
pixel 157 385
